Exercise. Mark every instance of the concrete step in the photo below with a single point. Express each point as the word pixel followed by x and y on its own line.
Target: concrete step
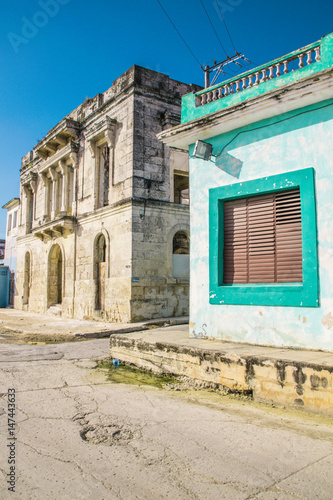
pixel 55 310
pixel 295 378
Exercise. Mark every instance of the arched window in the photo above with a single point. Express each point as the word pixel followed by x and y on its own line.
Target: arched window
pixel 100 272
pixel 27 279
pixel 101 248
pixel 55 276
pixel 181 255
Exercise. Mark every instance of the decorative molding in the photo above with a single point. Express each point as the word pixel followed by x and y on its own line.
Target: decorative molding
pixel 104 129
pixel 311 90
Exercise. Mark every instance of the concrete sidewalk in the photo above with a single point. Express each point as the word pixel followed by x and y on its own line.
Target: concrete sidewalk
pixel 292 377
pixel 40 325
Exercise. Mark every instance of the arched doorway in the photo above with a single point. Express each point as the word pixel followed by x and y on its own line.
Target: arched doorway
pixel 55 276
pixel 100 271
pixel 181 255
pixel 27 279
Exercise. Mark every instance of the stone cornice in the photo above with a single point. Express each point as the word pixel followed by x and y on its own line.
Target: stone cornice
pixel 305 92
pixel 58 227
pixel 57 138
pixel 102 129
pixel 11 203
pixel 64 153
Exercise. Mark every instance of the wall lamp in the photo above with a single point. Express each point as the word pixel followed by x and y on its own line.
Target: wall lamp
pixel 203 150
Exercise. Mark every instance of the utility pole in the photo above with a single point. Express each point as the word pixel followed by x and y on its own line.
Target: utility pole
pixel 219 68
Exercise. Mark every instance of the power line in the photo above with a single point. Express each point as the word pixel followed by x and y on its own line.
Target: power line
pixel 226 27
pixel 165 12
pixel 213 28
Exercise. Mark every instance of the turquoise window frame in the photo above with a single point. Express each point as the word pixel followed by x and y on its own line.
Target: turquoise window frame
pixel 303 294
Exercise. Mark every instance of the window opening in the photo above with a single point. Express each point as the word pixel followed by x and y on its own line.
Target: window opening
pixel 181 189
pixel 9 223
pixel 101 272
pixel 181 255
pixel 104 175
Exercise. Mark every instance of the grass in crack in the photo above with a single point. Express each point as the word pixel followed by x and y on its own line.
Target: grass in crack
pixel 124 374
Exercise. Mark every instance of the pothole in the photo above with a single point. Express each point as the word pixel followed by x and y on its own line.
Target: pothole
pixel 106 434
pixel 97 428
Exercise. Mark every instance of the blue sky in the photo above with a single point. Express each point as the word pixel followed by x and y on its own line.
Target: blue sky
pixel 52 62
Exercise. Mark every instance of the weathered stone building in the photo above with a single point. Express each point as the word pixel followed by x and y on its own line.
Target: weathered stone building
pixel 104 223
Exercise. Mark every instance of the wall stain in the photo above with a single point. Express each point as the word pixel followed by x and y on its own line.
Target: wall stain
pixel 300 379
pixel 249 371
pixel 328 320
pixel 281 372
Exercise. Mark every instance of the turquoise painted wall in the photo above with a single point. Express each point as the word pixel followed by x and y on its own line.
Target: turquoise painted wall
pixel 294 141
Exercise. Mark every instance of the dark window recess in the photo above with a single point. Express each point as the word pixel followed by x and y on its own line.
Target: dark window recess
pixel 181 243
pixel 105 174
pixel 263 239
pixel 181 189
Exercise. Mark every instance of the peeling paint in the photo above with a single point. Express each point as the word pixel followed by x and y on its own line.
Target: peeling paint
pixel 328 320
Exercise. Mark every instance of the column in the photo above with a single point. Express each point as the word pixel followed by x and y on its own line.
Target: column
pixel 94 154
pixel 54 177
pixel 33 187
pixel 73 157
pixel 46 185
pixel 28 200
pixel 64 195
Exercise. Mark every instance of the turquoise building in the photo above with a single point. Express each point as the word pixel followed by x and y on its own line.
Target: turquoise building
pixel 261 185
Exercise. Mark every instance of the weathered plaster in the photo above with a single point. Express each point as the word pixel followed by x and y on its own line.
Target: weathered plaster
pixel 298 140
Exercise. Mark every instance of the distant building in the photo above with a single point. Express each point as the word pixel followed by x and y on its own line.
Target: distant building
pixel 104 229
pixel 261 202
pixel 10 257
pixel 2 251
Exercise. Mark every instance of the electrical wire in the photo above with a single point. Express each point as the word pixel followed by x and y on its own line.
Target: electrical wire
pixel 165 12
pixel 226 27
pixel 214 28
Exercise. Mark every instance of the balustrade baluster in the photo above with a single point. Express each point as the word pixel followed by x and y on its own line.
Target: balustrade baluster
pixel 257 78
pixel 250 81
pixel 300 61
pixel 278 69
pixel 244 83
pixel 271 72
pixel 285 67
pixel 317 49
pixel 237 85
pixel 225 90
pixel 264 78
pixel 309 57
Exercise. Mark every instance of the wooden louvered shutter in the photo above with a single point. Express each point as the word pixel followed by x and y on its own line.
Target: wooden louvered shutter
pixel 263 239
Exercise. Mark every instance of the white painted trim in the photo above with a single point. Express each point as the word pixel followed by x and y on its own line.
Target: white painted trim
pixel 305 92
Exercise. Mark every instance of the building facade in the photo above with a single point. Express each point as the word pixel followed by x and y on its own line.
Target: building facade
pixel 104 224
pixel 10 258
pixel 261 202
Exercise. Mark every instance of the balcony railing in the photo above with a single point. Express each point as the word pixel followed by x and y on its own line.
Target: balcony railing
pixel 274 69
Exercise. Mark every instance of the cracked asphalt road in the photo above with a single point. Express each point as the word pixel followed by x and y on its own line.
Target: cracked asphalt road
pixel 80 436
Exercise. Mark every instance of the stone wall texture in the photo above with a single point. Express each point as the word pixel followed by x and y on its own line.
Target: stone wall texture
pixel 98 216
